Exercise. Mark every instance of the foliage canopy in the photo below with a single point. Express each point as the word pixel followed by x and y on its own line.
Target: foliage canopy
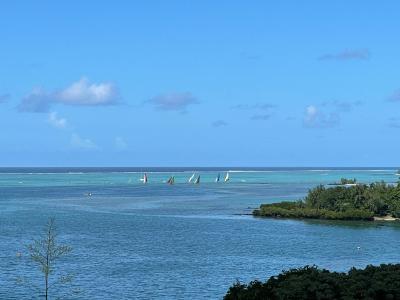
pixel 310 282
pixel 356 202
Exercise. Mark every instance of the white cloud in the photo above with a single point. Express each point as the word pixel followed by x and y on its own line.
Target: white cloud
pixel 328 114
pixel 56 121
pixel 120 143
pixel 81 143
pixel 311 113
pixel 83 92
pixel 314 118
pixel 80 93
pixel 173 101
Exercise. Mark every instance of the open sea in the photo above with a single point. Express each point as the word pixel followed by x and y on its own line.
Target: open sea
pixel 185 241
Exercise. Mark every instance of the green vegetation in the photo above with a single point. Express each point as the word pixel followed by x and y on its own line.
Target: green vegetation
pixel 45 252
pixel 373 282
pixel 358 202
pixel 298 210
pixel 348 181
pixel 344 181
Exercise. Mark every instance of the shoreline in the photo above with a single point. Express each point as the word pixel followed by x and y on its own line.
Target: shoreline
pixel 256 213
pixel 373 219
pixel 386 218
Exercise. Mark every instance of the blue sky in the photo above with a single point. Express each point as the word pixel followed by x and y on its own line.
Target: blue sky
pixel 205 83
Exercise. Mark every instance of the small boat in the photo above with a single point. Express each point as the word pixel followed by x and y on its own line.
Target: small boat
pixel 191 178
pixel 144 179
pixel 226 177
pixel 218 177
pixel 197 181
pixel 171 180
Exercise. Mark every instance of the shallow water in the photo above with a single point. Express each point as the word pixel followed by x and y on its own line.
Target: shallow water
pixel 184 241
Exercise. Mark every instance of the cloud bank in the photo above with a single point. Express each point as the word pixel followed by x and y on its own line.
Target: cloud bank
pixel 173 101
pixel 328 113
pixel 80 93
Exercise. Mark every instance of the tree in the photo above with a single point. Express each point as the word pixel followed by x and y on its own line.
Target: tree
pixel 310 282
pixel 45 251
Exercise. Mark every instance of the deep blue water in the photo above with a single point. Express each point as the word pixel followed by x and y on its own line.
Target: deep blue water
pixel 155 241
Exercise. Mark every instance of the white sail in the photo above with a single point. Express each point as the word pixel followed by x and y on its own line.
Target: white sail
pixel 144 179
pixel 191 178
pixel 226 177
pixel 171 180
pixel 217 178
pixel 197 180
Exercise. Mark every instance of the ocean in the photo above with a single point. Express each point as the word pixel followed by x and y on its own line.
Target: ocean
pixel 181 241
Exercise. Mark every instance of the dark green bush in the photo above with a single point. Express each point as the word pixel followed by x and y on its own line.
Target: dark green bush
pixel 373 282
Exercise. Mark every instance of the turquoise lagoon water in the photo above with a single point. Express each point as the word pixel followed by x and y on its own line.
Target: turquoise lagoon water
pixel 155 241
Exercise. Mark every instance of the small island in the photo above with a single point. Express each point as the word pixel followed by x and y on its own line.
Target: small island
pixel 375 201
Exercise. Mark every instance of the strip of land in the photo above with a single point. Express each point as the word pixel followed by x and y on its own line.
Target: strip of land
pixel 376 201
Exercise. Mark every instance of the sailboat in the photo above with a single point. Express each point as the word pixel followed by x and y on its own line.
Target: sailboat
pixel 226 177
pixel 197 180
pixel 218 177
pixel 144 179
pixel 171 180
pixel 191 178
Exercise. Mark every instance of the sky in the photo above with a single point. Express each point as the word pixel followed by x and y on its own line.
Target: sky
pixel 199 83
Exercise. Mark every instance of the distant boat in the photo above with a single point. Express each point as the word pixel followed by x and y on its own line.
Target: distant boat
pixel 226 177
pixel 218 177
pixel 171 180
pixel 144 179
pixel 197 181
pixel 191 178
